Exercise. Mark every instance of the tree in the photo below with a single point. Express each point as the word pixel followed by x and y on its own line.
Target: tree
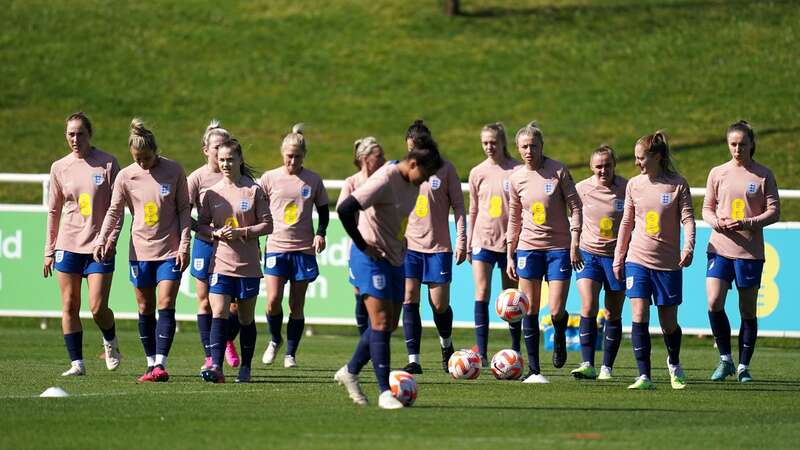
pixel 451 7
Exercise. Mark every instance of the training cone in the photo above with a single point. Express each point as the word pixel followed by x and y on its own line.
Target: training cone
pixel 54 392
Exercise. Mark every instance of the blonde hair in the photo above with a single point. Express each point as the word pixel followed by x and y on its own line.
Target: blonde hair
pixel 140 138
pixel 214 129
pixel 363 148
pixel 295 138
pixel 531 130
pixel 499 131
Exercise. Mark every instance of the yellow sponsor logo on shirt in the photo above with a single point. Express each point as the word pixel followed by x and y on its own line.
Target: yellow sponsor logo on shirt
pixel 85 204
pixel 232 222
pixel 737 209
pixel 606 227
pixel 539 213
pixel 151 213
pixel 495 206
pixel 401 233
pixel 652 223
pixel 290 213
pixel 421 209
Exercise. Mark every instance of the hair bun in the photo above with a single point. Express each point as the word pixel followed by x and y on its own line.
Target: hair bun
pixel 298 128
pixel 137 125
pixel 533 124
pixel 213 125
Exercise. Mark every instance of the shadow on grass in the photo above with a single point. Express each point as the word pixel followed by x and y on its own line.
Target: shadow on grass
pixel 569 409
pixel 553 12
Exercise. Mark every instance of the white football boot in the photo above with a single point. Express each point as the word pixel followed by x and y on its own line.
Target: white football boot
pixel 350 382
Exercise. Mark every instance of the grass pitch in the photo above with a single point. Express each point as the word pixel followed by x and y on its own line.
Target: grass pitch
pixel 304 408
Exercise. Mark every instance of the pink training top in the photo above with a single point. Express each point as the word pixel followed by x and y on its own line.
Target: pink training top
pixel 488 204
pixel 429 223
pixel 351 183
pixel 537 207
pixel 602 214
pixel 80 188
pixel 747 193
pixel 291 198
pixel 198 181
pixel 242 205
pixel 654 211
pixel 386 199
pixel 158 200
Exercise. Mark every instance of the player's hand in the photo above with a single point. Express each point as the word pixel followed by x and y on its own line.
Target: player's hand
pixel 182 261
pixel 319 243
pixel 461 256
pixel 686 259
pixel 99 254
pixel 469 257
pixel 619 271
pixel 735 225
pixel 511 270
pixel 223 233
pixel 575 257
pixel 47 270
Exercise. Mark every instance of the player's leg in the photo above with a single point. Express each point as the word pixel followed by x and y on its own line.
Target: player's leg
pixel 412 322
pixel 589 290
pixel 296 324
pixel 99 291
pixel 70 286
pixel 246 314
pixel 275 285
pixel 612 335
pixel 482 277
pixel 439 299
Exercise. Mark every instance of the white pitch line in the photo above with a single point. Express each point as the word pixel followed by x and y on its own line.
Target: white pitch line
pixel 119 394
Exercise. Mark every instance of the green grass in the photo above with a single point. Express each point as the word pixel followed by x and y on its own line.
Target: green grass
pixel 303 408
pixel 589 71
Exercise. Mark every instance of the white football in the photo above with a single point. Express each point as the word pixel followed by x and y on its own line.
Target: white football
pixel 464 365
pixel 507 365
pixel 512 305
pixel 403 387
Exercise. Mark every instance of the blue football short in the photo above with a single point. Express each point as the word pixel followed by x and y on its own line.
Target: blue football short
pixel 661 287
pixel 377 279
pixel 146 274
pixel 431 268
pixel 294 266
pixel 552 265
pixel 746 272
pixel 599 268
pixel 80 263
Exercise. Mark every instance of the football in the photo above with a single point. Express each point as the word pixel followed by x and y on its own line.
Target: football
pixel 403 387
pixel 512 305
pixel 464 365
pixel 507 365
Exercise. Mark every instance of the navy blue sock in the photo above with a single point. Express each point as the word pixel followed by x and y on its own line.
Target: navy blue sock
pixel 147 333
pixel 217 340
pixel 275 324
pixel 247 342
pixel 379 353
pixel 204 328
pixel 721 327
pixel 588 337
pixel 233 326
pixel 640 338
pixel 165 331
pixel 110 333
pixel 294 331
pixel 560 325
pixel 613 338
pixel 673 343
pixel 361 356
pixel 412 327
pixel 362 317
pixel 444 322
pixel 74 343
pixel 482 326
pixel 515 328
pixel 748 333
pixel 530 332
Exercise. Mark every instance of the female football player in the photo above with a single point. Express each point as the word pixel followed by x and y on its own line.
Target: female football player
pixel 649 255
pixel 429 258
pixel 368 157
pixel 80 192
pixel 383 203
pixel 235 212
pixel 155 191
pixel 741 199
pixel 292 192
pixel 544 241
pixel 603 199
pixel 486 229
